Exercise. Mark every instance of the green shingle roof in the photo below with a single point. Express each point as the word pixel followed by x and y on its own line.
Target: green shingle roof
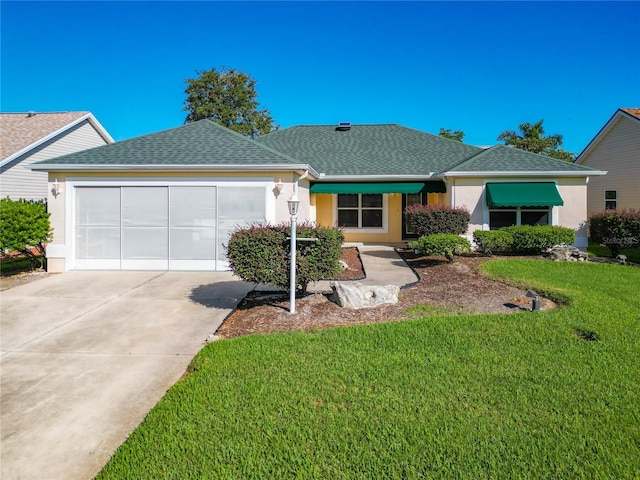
pixel 199 143
pixel 501 158
pixel 369 149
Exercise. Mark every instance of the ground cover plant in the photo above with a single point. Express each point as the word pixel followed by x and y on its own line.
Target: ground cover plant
pixel 548 394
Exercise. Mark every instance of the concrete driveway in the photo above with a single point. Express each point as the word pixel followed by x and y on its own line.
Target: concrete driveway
pixel 85 356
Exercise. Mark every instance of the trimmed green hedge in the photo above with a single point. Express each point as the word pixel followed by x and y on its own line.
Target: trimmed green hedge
pixel 442 245
pixel 615 229
pixel 260 254
pixel 523 239
pixel 428 220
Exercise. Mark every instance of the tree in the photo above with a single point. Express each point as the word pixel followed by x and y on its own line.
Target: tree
pixel 25 228
pixel 456 135
pixel 227 97
pixel 531 138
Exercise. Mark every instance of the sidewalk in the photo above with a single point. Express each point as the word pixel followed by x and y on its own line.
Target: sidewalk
pixel 382 266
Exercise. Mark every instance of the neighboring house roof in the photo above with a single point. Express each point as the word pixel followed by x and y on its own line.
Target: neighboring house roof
pixel 363 150
pixel 22 132
pixel 201 144
pixel 629 113
pixel 505 160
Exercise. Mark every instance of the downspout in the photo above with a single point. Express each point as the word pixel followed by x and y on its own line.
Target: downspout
pixel 453 191
pixel 301 177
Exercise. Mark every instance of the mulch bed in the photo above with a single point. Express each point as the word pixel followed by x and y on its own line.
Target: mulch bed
pixel 457 287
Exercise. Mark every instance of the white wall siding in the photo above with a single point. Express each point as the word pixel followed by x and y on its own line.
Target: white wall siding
pixel 619 154
pixel 16 181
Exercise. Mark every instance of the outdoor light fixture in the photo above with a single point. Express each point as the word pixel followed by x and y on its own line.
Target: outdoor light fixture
pixel 279 186
pixel 535 303
pixel 56 188
pixel 293 204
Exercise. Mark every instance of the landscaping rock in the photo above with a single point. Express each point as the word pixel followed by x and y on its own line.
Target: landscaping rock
pixel 566 253
pixel 357 296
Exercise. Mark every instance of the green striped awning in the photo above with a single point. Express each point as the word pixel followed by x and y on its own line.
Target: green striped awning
pixel 391 187
pixel 523 194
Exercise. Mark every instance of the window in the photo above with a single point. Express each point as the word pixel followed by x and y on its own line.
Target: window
pixel 360 210
pixel 505 217
pixel 610 199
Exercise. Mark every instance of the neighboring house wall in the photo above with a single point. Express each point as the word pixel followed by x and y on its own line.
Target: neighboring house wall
pixel 619 154
pixel 18 181
pixel 60 252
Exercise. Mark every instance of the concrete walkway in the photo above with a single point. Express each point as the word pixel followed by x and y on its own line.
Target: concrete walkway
pixel 382 266
pixel 85 355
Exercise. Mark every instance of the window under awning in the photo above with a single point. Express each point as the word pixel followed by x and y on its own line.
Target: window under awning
pixel 523 194
pixel 389 187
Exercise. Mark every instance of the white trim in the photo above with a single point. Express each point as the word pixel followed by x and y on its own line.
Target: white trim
pixel 380 178
pixel 68 249
pixel 604 193
pixel 89 117
pixel 559 173
pixel 385 216
pixel 49 167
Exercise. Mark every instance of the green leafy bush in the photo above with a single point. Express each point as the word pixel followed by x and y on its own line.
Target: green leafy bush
pixel 490 241
pixel 428 220
pixel 25 228
pixel 260 254
pixel 442 244
pixel 615 229
pixel 538 238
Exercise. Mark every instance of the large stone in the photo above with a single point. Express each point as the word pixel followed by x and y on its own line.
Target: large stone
pixel 356 295
pixel 566 253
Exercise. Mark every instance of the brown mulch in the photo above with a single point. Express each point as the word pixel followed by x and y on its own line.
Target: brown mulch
pixel 445 287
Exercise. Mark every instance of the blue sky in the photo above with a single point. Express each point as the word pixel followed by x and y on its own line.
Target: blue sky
pixel 480 67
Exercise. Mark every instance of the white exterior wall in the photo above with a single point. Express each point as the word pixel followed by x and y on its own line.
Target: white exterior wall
pixel 17 181
pixel 470 194
pixel 618 153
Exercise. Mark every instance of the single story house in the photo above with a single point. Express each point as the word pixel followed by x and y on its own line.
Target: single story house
pixel 615 148
pixel 169 200
pixel 26 138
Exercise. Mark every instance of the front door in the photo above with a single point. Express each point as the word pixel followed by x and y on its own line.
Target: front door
pixel 409 199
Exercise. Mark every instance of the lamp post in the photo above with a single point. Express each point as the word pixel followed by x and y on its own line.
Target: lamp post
pixel 293 204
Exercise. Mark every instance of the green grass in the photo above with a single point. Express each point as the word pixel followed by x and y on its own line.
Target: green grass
pixel 447 396
pixel 597 250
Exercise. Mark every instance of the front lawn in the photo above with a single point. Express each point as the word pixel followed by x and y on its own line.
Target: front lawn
pixel 532 395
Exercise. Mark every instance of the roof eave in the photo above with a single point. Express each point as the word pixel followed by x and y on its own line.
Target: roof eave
pixel 555 173
pixel 63 167
pixel 603 132
pixel 379 178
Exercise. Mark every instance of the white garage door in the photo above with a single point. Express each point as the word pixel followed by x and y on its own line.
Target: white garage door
pixel 161 227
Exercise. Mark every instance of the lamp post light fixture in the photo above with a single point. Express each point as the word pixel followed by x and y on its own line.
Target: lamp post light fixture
pixel 293 204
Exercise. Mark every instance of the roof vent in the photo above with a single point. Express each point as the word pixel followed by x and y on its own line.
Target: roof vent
pixel 31 113
pixel 343 127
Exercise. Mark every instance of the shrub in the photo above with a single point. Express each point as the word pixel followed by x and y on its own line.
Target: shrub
pixel 260 254
pixel 25 227
pixel 428 220
pixel 538 238
pixel 491 241
pixel 442 244
pixel 615 229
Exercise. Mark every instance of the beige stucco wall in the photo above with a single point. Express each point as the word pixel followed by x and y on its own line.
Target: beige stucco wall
pixel 617 153
pixel 59 249
pixel 469 193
